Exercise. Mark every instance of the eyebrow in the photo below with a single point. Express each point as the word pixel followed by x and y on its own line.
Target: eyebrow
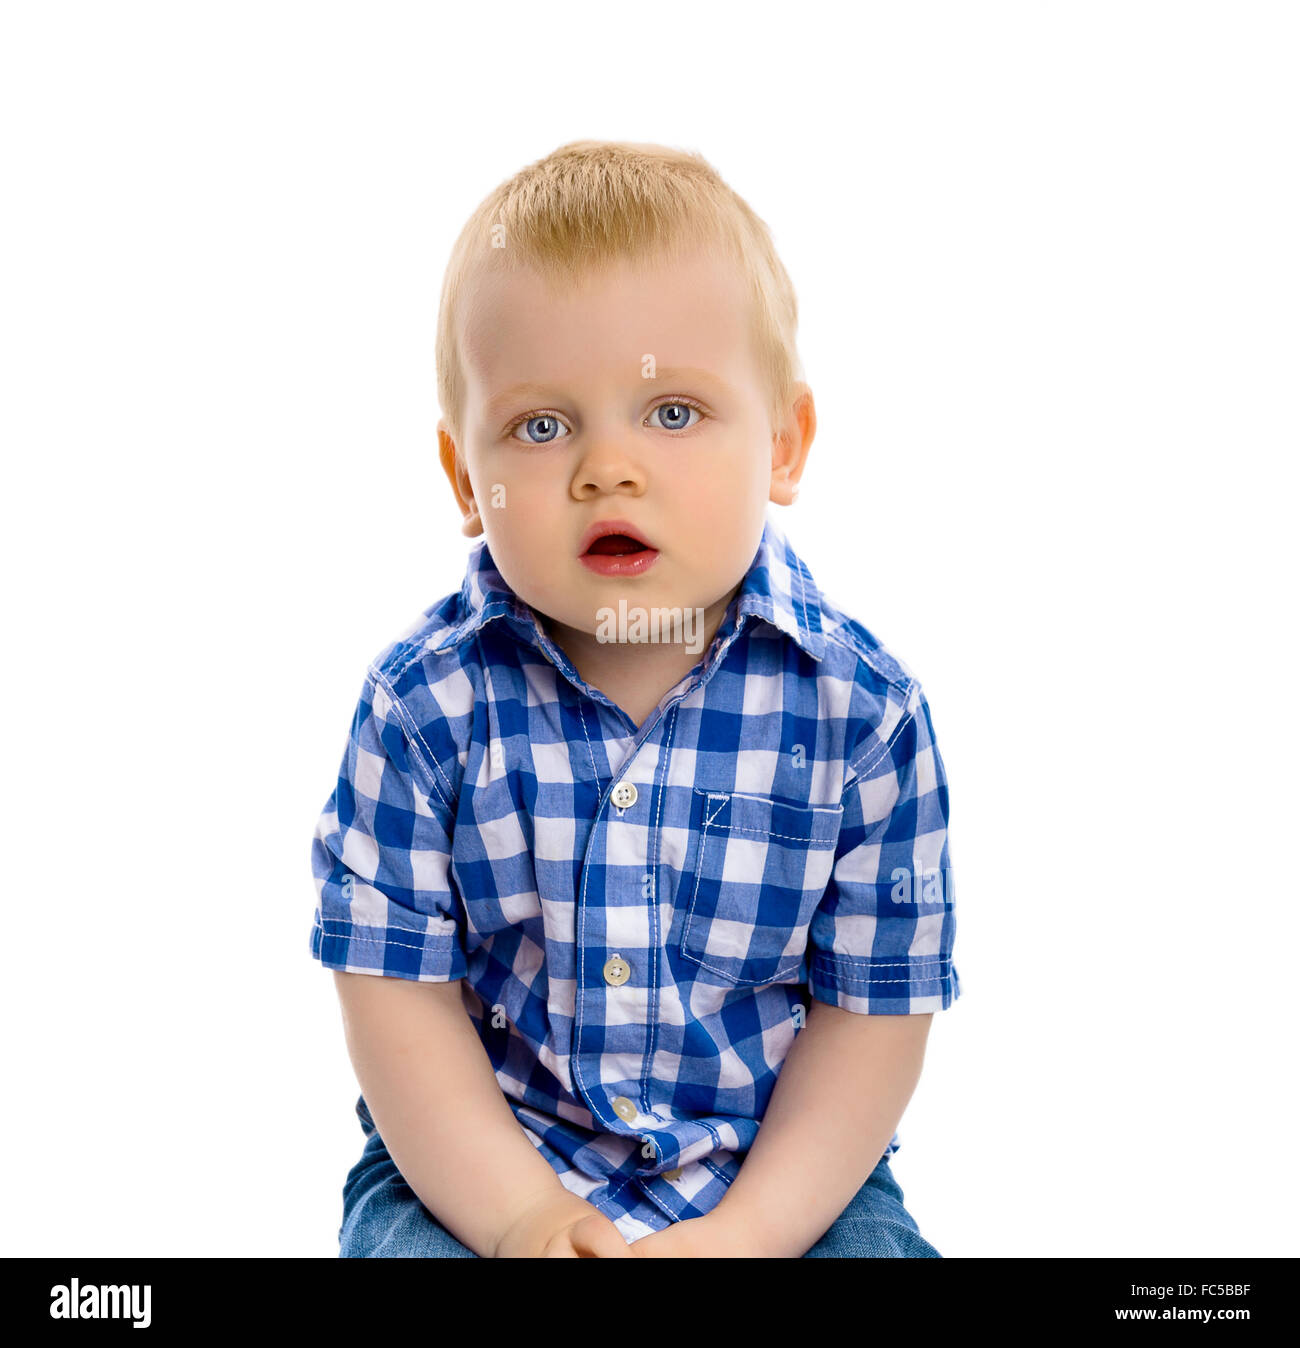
pixel 670 373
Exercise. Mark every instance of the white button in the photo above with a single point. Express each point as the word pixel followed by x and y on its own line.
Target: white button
pixel 617 971
pixel 624 1108
pixel 624 795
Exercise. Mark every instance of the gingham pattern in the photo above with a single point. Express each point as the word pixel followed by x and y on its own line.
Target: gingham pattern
pixel 788 840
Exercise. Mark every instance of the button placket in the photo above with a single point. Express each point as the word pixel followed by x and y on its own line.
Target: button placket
pixel 626 924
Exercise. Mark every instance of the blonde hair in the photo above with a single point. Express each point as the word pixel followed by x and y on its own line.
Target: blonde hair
pixel 593 202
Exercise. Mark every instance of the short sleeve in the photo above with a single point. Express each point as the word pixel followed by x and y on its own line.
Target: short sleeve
pixel 381 857
pixel 881 938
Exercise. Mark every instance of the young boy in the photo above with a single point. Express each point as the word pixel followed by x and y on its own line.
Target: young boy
pixel 638 842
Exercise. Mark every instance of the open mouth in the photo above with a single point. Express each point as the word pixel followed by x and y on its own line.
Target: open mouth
pixel 615 548
pixel 616 545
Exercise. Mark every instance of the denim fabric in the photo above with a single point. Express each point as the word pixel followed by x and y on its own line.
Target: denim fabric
pixel 383 1219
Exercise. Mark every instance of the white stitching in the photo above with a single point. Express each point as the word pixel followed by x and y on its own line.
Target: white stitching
pixel 591 753
pixel 803 602
pixel 787 837
pixel 405 716
pixel 921 977
pixel 653 1008
pixel 699 867
pixel 902 681
pixel 835 955
pixel 371 940
pixel 722 803
pixel 898 730
pixel 771 800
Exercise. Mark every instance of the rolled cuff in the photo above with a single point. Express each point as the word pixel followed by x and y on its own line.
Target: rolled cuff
pixel 425 957
pixel 885 984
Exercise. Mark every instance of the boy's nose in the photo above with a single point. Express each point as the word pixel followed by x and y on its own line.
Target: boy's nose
pixel 607 469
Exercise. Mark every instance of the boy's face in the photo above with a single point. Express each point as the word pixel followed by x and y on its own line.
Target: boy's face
pixel 688 457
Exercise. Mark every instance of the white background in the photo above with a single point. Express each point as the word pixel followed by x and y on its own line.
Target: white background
pixel 1047 267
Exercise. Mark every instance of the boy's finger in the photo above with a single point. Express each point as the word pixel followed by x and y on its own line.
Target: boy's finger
pixel 598 1238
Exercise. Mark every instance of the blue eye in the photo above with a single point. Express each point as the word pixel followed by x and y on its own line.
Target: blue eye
pixel 681 418
pixel 541 430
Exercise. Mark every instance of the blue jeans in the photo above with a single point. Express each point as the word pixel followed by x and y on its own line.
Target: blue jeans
pixel 383 1219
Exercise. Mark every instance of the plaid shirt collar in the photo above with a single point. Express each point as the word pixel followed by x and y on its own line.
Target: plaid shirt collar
pixel 778 587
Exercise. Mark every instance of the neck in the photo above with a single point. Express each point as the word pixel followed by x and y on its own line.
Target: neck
pixel 635 667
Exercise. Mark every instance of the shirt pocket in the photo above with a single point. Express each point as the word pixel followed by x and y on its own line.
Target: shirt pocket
pixel 759 870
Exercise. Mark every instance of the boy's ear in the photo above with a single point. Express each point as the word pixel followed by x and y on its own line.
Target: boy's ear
pixel 472 524
pixel 791 442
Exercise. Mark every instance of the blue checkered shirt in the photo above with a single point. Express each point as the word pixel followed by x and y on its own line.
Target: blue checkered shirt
pixel 640 914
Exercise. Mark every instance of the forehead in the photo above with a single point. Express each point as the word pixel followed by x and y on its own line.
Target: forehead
pixel 689 311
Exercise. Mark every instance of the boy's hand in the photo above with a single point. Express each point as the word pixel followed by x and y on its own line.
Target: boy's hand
pixel 561 1225
pixel 696 1238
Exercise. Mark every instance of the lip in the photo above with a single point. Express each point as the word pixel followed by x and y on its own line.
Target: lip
pixel 603 565
pixel 604 527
